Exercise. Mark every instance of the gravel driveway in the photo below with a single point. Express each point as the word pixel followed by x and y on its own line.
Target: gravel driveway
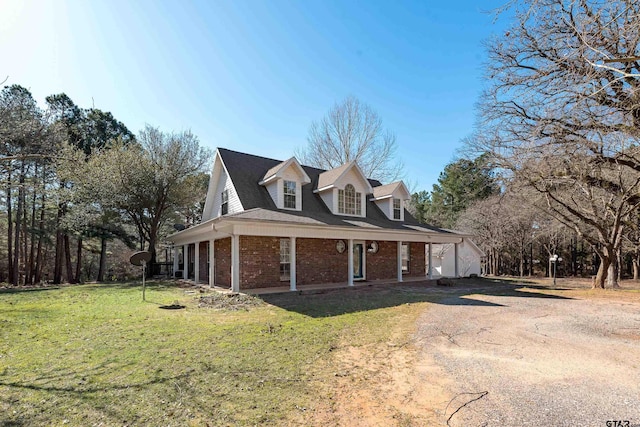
pixel 543 360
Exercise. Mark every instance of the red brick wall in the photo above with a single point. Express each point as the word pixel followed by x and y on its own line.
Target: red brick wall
pixel 416 259
pixel 317 261
pixel 222 253
pixel 204 269
pixel 260 262
pixel 383 264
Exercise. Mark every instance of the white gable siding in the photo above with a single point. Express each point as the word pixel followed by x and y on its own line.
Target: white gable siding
pixel 292 174
pixel 330 198
pixel 353 177
pixel 386 206
pixel 274 188
pixel 224 183
pixel 208 213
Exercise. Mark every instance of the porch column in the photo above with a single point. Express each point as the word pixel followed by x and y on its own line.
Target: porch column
pixel 455 262
pixel 185 261
pixel 430 272
pixel 350 263
pixel 196 263
pixel 175 261
pixel 212 262
pixel 292 265
pixel 399 261
pixel 235 263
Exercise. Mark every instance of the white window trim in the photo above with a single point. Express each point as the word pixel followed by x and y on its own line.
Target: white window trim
pixel 393 210
pixel 285 279
pixel 222 201
pixel 408 270
pixel 297 195
pixel 363 208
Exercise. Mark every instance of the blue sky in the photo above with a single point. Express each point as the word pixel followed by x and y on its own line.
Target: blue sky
pixel 252 75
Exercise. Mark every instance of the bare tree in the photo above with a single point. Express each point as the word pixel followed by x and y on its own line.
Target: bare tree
pixel 505 230
pixel 151 180
pixel 565 127
pixel 352 131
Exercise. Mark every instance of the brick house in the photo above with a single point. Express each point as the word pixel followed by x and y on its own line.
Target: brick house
pixel 270 223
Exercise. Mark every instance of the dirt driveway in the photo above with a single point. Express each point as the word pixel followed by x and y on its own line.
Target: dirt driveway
pixel 534 358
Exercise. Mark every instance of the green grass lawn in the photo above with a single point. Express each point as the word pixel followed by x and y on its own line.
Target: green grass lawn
pixel 99 355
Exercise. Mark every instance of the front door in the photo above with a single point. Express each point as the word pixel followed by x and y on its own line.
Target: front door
pixel 358 261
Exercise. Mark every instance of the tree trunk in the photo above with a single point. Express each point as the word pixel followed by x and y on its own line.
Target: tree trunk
pixel 9 226
pixel 78 261
pixel 44 253
pixel 636 264
pixel 25 242
pixel 16 242
pixel 574 256
pixel 531 261
pixel 30 273
pixel 603 269
pixel 614 271
pixel 601 276
pixel 620 264
pixel 612 274
pixel 32 249
pixel 67 254
pixel 57 269
pixel 103 259
pixel 153 236
pixel 38 274
pixel 522 263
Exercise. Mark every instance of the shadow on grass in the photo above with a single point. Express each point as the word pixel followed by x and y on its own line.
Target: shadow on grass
pixel 22 289
pixel 342 301
pixel 70 381
pixel 151 284
pixel 75 388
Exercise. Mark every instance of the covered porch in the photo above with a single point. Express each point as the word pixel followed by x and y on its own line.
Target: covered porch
pixel 249 257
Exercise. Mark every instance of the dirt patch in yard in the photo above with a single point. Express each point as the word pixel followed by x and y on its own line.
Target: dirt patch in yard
pixel 490 354
pixel 383 384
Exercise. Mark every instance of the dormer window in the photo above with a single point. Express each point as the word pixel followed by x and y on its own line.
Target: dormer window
pixel 396 209
pixel 284 183
pixel 289 194
pixel 224 205
pixel 349 201
pixel 391 199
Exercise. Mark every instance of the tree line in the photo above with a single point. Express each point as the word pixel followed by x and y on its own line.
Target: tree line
pixel 557 142
pixel 75 179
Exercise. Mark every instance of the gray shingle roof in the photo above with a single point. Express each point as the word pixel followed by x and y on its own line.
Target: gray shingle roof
pixel 384 190
pixel 247 170
pixel 274 170
pixel 329 177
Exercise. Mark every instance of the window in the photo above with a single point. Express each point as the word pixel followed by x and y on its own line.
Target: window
pixel 405 258
pixel 285 260
pixel 290 194
pixel 349 201
pixel 396 208
pixel 224 206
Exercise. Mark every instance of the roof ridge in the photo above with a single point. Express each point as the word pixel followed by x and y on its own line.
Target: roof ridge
pixel 282 161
